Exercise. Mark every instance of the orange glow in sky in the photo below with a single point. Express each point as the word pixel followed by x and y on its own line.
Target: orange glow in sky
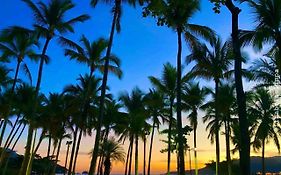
pixel 206 153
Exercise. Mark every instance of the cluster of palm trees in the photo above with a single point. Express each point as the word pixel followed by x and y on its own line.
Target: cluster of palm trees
pixel 246 118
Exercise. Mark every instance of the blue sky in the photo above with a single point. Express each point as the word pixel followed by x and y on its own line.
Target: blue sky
pixel 142 46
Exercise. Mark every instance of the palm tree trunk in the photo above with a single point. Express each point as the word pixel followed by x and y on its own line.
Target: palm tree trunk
pixel 190 168
pixel 57 157
pixel 131 155
pixel 72 151
pixel 3 153
pixel 144 154
pixel 14 135
pixel 67 152
pixel 107 166
pixel 16 75
pixel 27 151
pixel 227 142
pixel 170 135
pixel 217 128
pixel 1 123
pixel 13 147
pixel 241 100
pixel 77 150
pixel 103 91
pixel 39 142
pixel 101 167
pixel 179 118
pixel 49 145
pixel 3 132
pixel 99 164
pixel 150 149
pixel 262 158
pixel 30 130
pixel 42 60
pixel 137 155
pixel 127 159
pixel 195 150
pixel 30 162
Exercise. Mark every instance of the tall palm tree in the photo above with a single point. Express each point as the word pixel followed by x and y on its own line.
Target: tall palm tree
pixel 227 110
pixel 137 117
pixel 115 25
pixel 263 106
pixel 17 43
pixel 49 22
pixel 55 110
pixel 90 53
pixel 113 118
pixel 176 15
pixel 167 85
pixel 155 105
pixel 84 96
pixel 240 94
pixel 26 98
pixel 212 64
pixel 193 99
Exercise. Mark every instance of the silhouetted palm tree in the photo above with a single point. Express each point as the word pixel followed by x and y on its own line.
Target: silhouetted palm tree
pixel 112 151
pixel 135 107
pixel 167 85
pixel 193 98
pixel 19 46
pixel 176 15
pixel 49 22
pixel 115 25
pixel 90 53
pixel 263 106
pixel 211 64
pixel 84 96
pixel 156 107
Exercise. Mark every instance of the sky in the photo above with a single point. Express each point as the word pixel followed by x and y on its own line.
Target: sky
pixel 143 48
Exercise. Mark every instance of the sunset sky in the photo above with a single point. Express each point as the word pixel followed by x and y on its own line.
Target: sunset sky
pixel 143 48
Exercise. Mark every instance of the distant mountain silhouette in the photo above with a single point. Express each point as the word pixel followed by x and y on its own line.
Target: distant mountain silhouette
pixel 273 165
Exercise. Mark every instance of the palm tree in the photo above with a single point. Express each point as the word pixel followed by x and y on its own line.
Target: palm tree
pixel 264 69
pixel 227 110
pixel 155 105
pixel 55 110
pixel 176 15
pixel 19 46
pixel 49 22
pixel 26 98
pixel 5 79
pixel 111 121
pixel 240 94
pixel 167 85
pixel 137 117
pixel 84 96
pixel 90 53
pixel 193 99
pixel 117 12
pixel 68 143
pixel 112 151
pixel 263 106
pixel 212 64
pixel 267 31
